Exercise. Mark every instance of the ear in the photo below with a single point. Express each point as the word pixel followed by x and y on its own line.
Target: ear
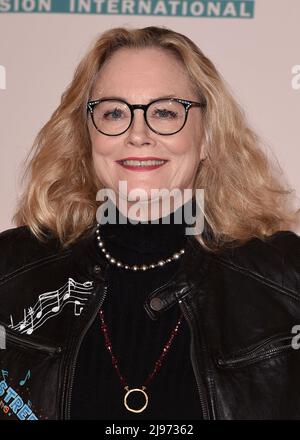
pixel 202 153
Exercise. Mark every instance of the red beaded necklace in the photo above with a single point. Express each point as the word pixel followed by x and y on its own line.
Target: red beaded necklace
pixel 156 369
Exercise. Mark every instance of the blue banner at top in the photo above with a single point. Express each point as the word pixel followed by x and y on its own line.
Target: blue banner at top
pixel 166 8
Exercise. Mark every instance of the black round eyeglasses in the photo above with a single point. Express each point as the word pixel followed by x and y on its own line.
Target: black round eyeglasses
pixel 113 117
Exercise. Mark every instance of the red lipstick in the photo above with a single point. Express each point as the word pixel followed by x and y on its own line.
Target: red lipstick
pixel 138 166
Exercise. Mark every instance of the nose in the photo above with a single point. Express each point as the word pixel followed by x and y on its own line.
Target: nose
pixel 139 133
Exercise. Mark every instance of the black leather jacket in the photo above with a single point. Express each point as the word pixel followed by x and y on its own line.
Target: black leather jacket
pixel 241 306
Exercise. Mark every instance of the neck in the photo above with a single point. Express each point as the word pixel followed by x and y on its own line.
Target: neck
pixel 151 210
pixel 142 242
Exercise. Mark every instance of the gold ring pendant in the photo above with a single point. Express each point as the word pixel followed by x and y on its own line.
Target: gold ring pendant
pixel 137 390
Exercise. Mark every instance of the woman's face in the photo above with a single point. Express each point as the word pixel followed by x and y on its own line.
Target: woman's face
pixel 138 77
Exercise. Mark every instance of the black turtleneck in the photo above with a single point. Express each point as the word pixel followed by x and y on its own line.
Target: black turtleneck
pixel 137 340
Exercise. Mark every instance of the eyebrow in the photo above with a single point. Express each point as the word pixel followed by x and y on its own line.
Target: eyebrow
pixel 151 99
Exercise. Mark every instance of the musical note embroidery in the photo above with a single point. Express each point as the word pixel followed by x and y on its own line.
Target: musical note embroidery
pixel 23 381
pixel 50 304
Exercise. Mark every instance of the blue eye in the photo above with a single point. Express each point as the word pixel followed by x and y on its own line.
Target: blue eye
pixel 114 114
pixel 165 114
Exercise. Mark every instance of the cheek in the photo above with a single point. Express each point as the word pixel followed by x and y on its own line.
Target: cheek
pixel 185 142
pixel 100 154
pixel 101 147
pixel 184 149
pixel 101 162
pixel 102 166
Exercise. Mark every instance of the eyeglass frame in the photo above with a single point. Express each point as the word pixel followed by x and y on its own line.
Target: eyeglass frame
pixel 186 103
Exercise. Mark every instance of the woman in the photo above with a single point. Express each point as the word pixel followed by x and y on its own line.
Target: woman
pixel 138 320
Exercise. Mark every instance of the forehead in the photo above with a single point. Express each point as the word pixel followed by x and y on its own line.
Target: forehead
pixel 147 73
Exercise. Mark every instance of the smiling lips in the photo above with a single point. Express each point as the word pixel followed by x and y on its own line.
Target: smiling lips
pixel 141 163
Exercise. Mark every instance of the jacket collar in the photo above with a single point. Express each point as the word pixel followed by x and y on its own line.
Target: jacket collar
pixel 185 281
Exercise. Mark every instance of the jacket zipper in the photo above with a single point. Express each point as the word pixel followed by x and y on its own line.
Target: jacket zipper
pixel 67 406
pixel 203 401
pixel 34 345
pixel 255 354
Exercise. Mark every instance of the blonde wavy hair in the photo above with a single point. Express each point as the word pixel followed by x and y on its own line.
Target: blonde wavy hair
pixel 243 191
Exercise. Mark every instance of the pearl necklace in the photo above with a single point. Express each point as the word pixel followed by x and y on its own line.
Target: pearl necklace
pixel 118 263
